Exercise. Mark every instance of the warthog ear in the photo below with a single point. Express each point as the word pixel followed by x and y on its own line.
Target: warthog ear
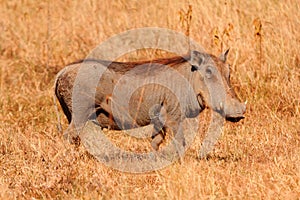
pixel 223 56
pixel 196 59
pixel 193 55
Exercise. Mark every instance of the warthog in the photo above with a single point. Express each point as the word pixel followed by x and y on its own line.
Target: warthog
pixel 161 92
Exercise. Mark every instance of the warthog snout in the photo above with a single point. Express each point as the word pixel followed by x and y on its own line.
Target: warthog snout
pixel 234 110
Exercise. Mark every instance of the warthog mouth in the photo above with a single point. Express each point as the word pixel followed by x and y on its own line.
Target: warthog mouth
pixel 234 119
pixel 201 101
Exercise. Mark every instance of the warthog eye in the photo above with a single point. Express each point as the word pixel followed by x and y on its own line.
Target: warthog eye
pixel 208 72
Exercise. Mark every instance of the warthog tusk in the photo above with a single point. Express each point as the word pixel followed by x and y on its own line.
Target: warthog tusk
pixel 221 106
pixel 246 102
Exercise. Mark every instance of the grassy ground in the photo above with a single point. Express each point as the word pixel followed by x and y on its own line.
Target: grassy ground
pixel 257 158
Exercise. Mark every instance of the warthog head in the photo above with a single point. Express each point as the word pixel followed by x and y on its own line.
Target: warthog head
pixel 212 84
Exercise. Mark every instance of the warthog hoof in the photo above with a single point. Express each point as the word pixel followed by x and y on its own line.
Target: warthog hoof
pixel 156 141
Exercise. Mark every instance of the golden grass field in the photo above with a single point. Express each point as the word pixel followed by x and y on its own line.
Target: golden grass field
pixel 257 158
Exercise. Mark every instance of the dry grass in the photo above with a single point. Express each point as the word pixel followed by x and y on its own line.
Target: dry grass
pixel 257 158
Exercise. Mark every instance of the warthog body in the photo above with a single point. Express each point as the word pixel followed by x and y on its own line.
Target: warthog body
pixel 161 92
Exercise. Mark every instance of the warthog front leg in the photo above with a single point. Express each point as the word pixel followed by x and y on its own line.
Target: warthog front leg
pixel 158 138
pixel 162 120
